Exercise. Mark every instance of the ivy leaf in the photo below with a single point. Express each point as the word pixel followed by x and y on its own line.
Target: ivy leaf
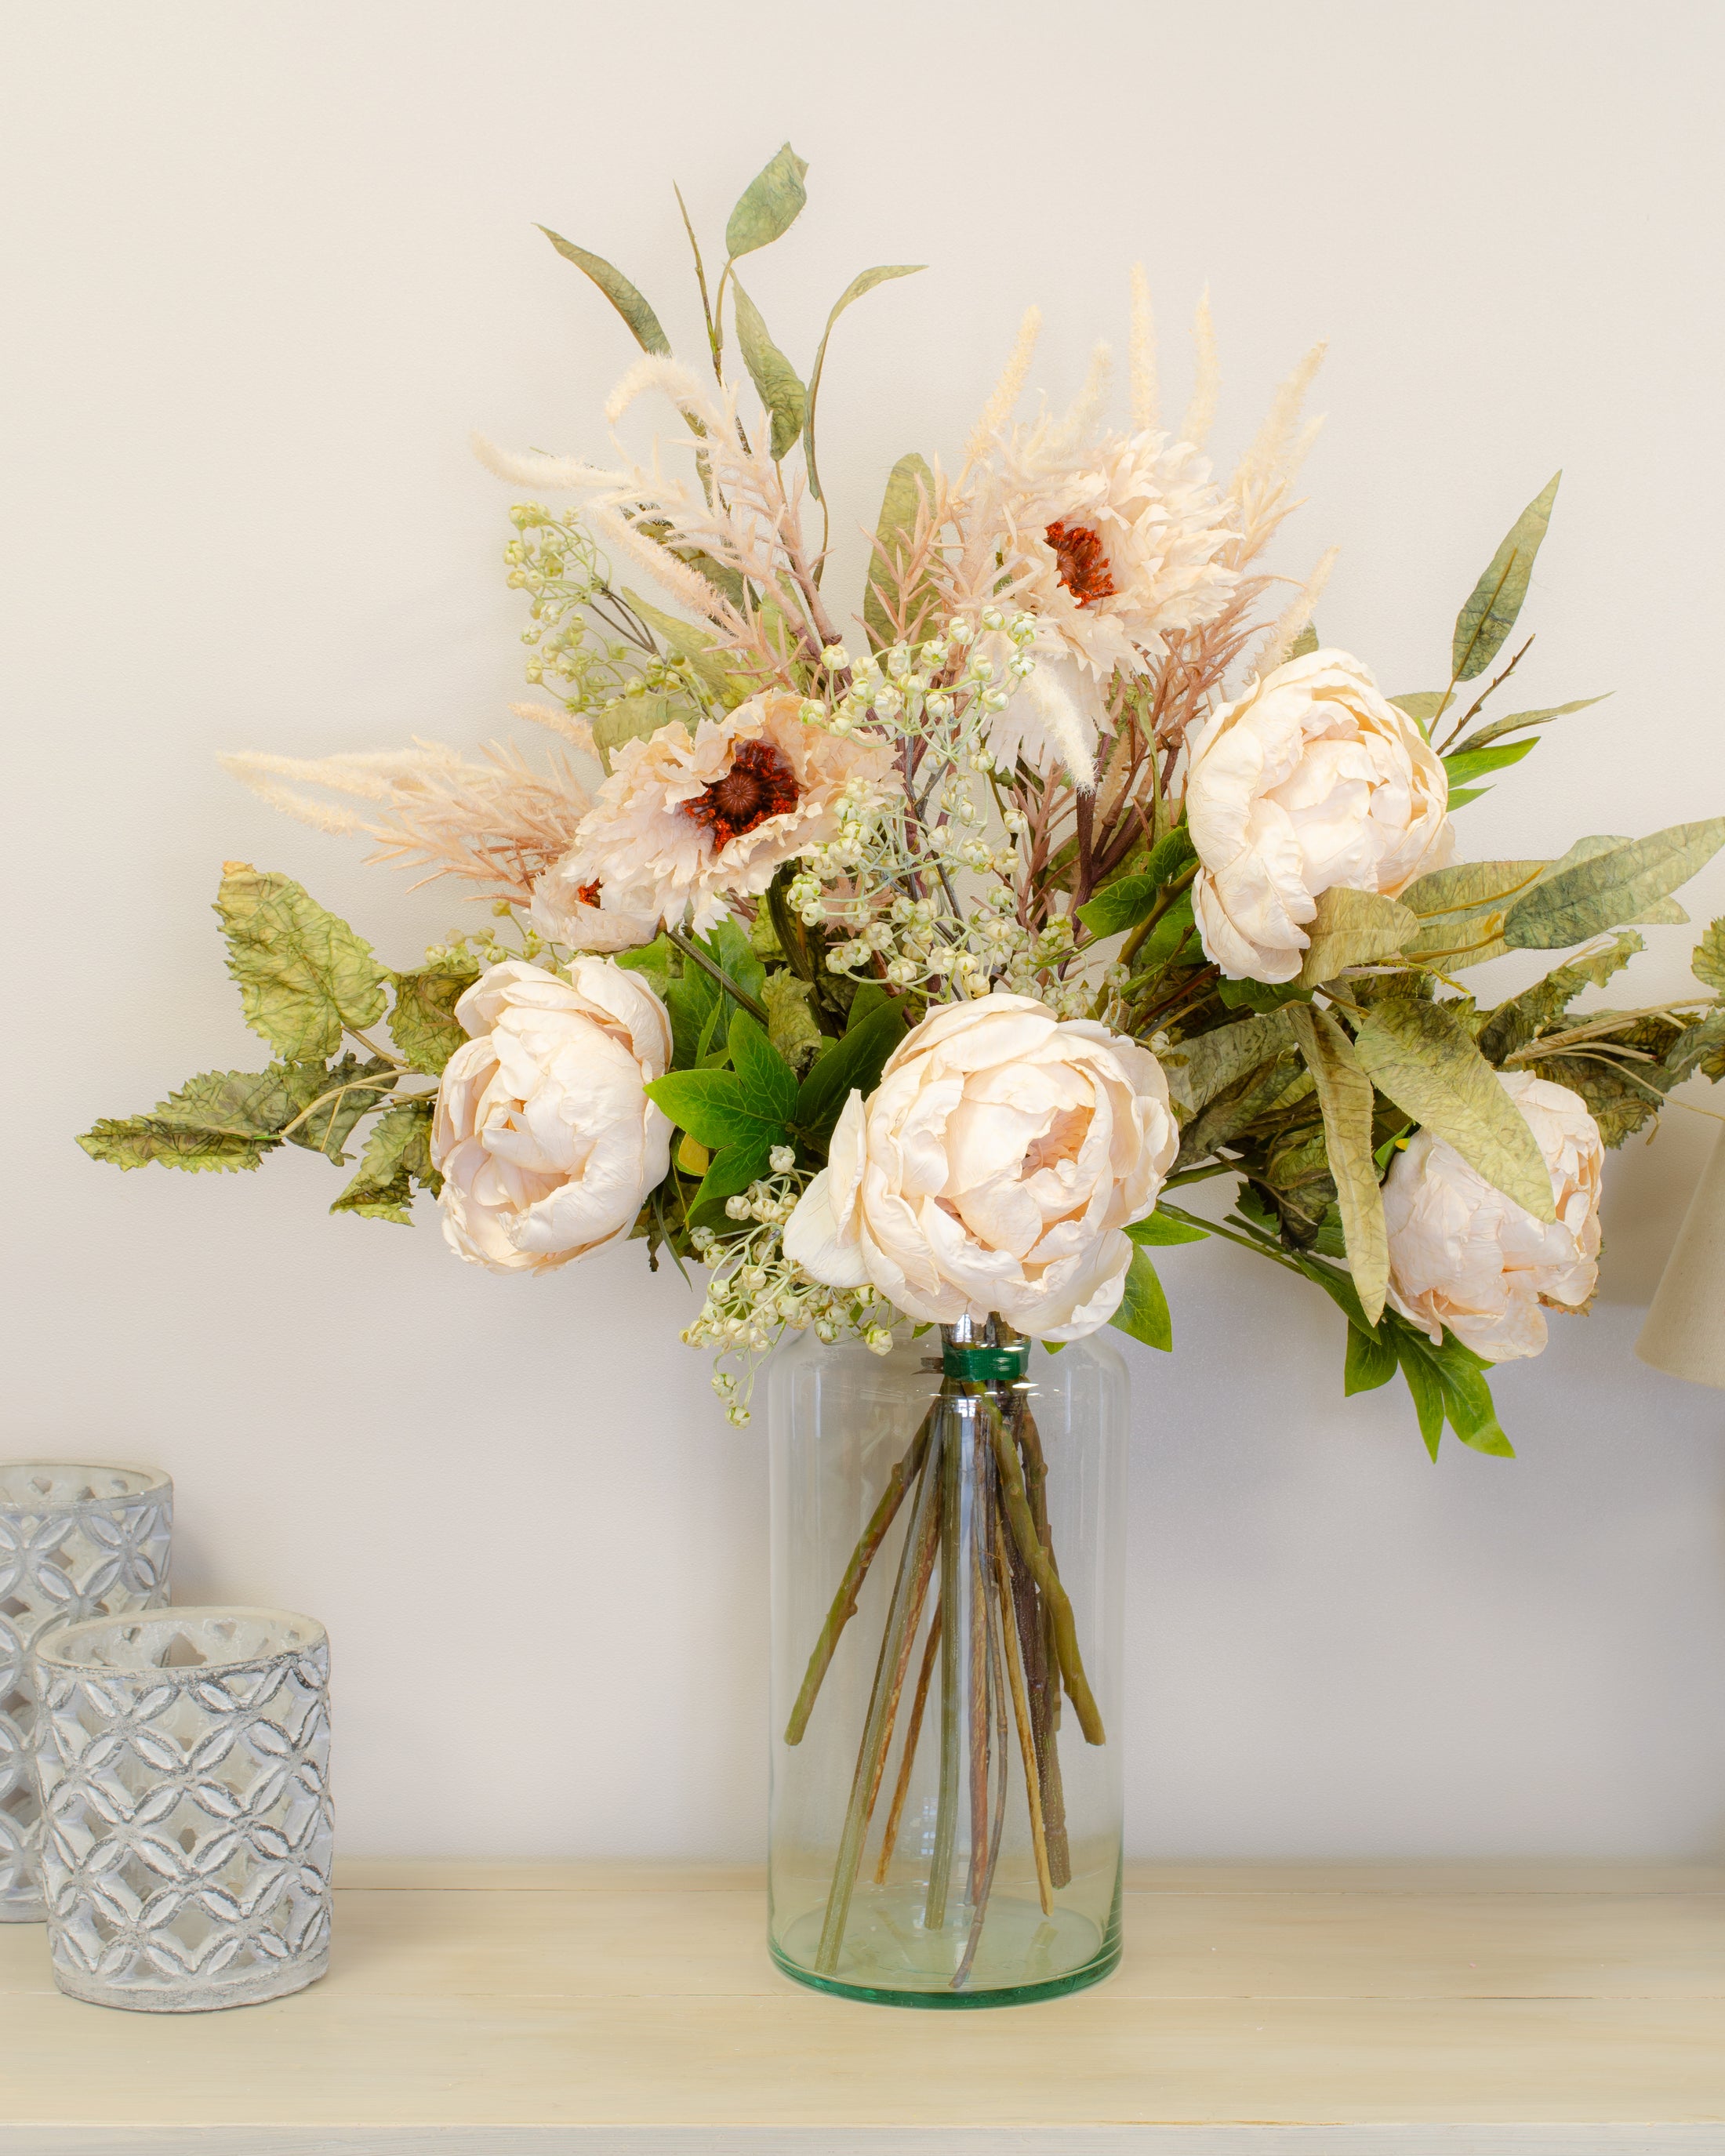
pixel 776 381
pixel 736 957
pixel 1603 888
pixel 1422 1057
pixel 423 1023
pixel 643 322
pixel 1370 1363
pixel 1516 720
pixel 1156 1229
pixel 768 206
pixel 1143 1311
pixel 397 1160
pixel 768 1083
pixel 733 1170
pixel 852 1064
pixel 855 289
pixel 1352 928
pixel 1344 1097
pixel 1495 602
pixel 909 484
pixel 302 974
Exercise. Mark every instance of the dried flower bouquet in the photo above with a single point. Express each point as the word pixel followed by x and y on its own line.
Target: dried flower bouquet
pixel 902 964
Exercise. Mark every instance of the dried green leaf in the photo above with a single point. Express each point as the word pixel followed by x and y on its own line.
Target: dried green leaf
pixel 221 1120
pixel 1709 962
pixel 335 1099
pixel 1200 1069
pixel 1516 720
pixel 1422 705
pixel 768 206
pixel 1495 602
pixel 1524 1017
pixel 1422 1057
pixel 302 974
pixel 790 1024
pixel 643 322
pixel 1602 890
pixel 637 718
pixel 777 381
pixel 423 1023
pixel 1352 928
pixel 397 1160
pixel 1344 1096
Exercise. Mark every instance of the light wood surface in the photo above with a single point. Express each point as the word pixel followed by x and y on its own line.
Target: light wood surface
pixel 621 2010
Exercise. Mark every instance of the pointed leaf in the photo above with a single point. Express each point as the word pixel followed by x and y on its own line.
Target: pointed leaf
pixel 768 206
pixel 396 1161
pixel 1470 887
pixel 1422 705
pixel 1516 720
pixel 855 289
pixel 1156 1229
pixel 1370 1363
pixel 1465 765
pixel 1352 928
pixel 1425 1059
pixel 1427 1393
pixel 643 322
pixel 852 1064
pixel 1128 900
pixel 911 483
pixel 1493 604
pixel 1143 1311
pixel 1592 894
pixel 768 1083
pixel 1708 963
pixel 222 1120
pixel 1344 1097
pixel 776 382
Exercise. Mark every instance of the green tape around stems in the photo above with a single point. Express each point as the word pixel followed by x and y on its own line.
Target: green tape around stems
pixel 986 1365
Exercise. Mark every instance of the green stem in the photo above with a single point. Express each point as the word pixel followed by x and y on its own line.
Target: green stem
pixel 691 949
pixel 946 1827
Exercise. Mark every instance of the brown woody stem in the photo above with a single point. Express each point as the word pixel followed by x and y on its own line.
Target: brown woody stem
pixel 1021 1716
pixel 889 1839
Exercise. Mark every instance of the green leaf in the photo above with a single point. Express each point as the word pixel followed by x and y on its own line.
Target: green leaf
pixel 1156 1229
pixel 790 1024
pixel 337 1099
pixel 1422 705
pixel 852 1064
pixel 1464 765
pixel 1371 1362
pixel 1495 602
pixel 692 998
pixel 768 206
pixel 1457 1374
pixel 1143 1310
pixel 715 1109
pixel 855 289
pixel 1600 891
pixel 302 974
pixel 1304 643
pixel 220 1119
pixel 910 484
pixel 642 321
pixel 1120 905
pixel 731 1172
pixel 1425 1059
pixel 397 1160
pixel 1200 1070
pixel 1516 720
pixel 1428 1395
pixel 1708 963
pixel 777 381
pixel 422 1024
pixel 637 718
pixel 1462 795
pixel 1352 928
pixel 1344 1097
pixel 1258 995
pixel 696 646
pixel 736 957
pixel 1514 1024
pixel 768 1083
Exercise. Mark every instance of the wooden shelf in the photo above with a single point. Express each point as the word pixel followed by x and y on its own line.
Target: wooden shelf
pixel 624 2010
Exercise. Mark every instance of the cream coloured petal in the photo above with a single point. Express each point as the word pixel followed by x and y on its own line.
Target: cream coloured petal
pixel 813 1240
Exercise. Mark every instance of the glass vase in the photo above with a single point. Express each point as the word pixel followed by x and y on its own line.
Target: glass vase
pixel 948 1525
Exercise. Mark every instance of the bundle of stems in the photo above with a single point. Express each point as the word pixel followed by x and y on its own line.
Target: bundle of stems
pixel 978 1585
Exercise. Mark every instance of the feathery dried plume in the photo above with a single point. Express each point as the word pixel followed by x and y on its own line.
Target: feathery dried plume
pixel 1207 382
pixel 1008 390
pixel 1086 407
pixel 1266 474
pixel 1279 640
pixel 558 721
pixel 554 475
pixel 1141 352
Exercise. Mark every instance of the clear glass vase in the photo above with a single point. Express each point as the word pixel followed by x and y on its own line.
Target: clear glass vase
pixel 948 1526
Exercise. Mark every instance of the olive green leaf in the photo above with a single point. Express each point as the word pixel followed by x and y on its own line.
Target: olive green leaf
pixel 909 484
pixel 1352 928
pixel 1370 1363
pixel 221 1120
pixel 855 289
pixel 1495 602
pixel 1699 1047
pixel 642 321
pixel 423 1023
pixel 776 381
pixel 1622 1092
pixel 696 646
pixel 1143 1311
pixel 1344 1096
pixel 1524 1017
pixel 1200 1069
pixel 1470 887
pixel 333 1101
pixel 397 1160
pixel 1422 705
pixel 637 718
pixel 1514 722
pixel 768 206
pixel 1582 897
pixel 790 1024
pixel 1709 962
pixel 1304 643
pixel 852 1064
pixel 1422 1057
pixel 302 974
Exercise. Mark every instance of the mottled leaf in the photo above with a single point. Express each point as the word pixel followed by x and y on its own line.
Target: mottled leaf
pixel 855 289
pixel 1708 963
pixel 1495 602
pixel 643 322
pixel 1199 1068
pixel 1344 1096
pixel 302 974
pixel 1352 928
pixel 1470 887
pixel 1143 1311
pixel 1515 720
pixel 397 1160
pixel 421 1022
pixel 334 1100
pixel 1422 1057
pixel 1522 1017
pixel 768 206
pixel 222 1120
pixel 790 1024
pixel 777 381
pixel 1699 1047
pixel 1592 894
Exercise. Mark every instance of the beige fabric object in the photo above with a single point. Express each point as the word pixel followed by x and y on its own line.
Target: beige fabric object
pixel 1685 1331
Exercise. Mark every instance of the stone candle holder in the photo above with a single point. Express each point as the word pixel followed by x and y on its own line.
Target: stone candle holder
pixel 75 1542
pixel 184 1767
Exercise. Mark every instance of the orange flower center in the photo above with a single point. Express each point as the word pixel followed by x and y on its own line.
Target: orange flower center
pixel 587 894
pixel 1083 566
pixel 760 783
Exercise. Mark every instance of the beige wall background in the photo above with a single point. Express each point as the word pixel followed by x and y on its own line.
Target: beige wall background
pixel 264 267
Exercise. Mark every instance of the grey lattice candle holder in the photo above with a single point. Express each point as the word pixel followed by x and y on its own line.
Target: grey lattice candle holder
pixel 75 1542
pixel 187 1826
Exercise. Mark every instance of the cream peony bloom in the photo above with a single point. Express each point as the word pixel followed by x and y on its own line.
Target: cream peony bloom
pixel 993 1171
pixel 1309 780
pixel 686 821
pixel 545 1138
pixel 1462 1254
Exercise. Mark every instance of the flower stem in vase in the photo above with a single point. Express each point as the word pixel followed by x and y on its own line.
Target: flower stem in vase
pixel 994 1702
pixel 952 1434
pixel 889 1839
pixel 1062 1623
pixel 1035 1637
pixel 1011 1620
pixel 976 1569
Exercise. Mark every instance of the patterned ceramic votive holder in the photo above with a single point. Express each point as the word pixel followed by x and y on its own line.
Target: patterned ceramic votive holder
pixel 75 1542
pixel 187 1827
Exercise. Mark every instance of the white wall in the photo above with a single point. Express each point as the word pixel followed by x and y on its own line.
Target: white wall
pixel 264 266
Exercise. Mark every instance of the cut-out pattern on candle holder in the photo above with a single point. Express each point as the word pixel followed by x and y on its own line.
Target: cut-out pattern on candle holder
pixel 76 1541
pixel 188 1829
